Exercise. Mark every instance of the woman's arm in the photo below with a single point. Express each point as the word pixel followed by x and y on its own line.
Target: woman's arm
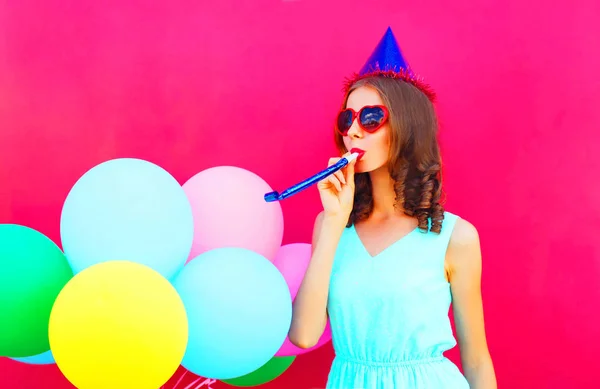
pixel 463 260
pixel 310 306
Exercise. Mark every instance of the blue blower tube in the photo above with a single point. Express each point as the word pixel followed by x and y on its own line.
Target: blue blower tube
pixel 276 196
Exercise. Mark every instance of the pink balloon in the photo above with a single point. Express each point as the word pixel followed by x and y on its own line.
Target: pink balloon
pixel 292 261
pixel 230 211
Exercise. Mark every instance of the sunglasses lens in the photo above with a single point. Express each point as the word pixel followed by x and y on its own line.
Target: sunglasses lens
pixel 371 118
pixel 344 121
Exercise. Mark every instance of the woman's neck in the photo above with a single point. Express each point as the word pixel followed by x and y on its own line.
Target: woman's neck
pixel 384 195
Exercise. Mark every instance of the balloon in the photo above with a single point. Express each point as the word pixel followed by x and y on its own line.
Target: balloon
pixel 40 359
pixel 127 209
pixel 230 211
pixel 33 270
pixel 239 311
pixel 292 261
pixel 266 373
pixel 118 324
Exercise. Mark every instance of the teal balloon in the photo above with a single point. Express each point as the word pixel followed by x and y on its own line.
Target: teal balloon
pixel 266 373
pixel 239 312
pixel 127 209
pixel 33 271
pixel 41 359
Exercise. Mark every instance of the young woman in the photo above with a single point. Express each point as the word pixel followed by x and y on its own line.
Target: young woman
pixel 387 259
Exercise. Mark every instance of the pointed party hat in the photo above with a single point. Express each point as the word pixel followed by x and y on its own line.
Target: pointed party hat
pixel 387 61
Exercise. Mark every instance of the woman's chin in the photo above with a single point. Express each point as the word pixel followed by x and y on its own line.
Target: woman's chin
pixel 362 167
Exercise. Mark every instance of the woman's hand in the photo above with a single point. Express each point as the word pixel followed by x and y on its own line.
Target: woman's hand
pixel 337 191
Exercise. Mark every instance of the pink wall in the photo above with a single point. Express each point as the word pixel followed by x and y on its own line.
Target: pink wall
pixel 190 86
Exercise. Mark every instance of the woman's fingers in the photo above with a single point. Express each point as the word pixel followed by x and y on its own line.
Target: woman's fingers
pixel 340 176
pixel 335 182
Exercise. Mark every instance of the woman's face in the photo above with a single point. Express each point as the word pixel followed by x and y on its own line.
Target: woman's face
pixel 376 145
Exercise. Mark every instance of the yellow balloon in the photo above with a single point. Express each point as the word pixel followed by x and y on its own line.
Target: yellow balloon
pixel 118 325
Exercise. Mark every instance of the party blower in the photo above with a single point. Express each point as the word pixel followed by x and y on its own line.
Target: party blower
pixel 276 196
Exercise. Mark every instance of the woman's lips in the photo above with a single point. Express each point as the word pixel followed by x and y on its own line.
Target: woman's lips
pixel 359 151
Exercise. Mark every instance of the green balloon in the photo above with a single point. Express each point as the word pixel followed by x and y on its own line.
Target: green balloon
pixel 33 271
pixel 267 372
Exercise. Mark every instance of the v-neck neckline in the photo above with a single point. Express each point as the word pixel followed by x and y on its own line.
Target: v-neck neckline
pixel 389 247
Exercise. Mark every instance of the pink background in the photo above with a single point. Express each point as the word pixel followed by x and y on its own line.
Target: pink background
pixel 195 84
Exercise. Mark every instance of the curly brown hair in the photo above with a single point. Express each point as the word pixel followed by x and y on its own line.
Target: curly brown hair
pixel 415 162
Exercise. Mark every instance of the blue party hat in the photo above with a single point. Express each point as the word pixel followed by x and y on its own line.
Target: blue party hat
pixel 387 56
pixel 387 60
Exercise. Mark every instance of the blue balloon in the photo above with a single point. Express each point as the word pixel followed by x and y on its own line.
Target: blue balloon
pixel 45 358
pixel 239 311
pixel 127 209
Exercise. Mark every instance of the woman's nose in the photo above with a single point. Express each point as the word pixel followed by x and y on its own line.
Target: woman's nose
pixel 355 131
